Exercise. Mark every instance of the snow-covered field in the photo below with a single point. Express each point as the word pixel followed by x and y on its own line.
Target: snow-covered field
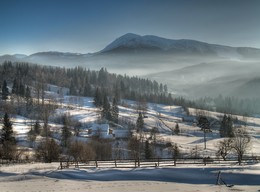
pixel 46 177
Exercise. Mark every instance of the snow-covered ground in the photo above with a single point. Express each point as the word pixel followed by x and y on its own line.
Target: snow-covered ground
pixel 46 177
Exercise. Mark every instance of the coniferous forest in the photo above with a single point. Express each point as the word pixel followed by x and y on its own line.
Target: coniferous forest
pixel 83 82
pixel 80 81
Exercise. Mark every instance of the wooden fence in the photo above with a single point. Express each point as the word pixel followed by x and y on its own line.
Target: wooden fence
pixel 132 163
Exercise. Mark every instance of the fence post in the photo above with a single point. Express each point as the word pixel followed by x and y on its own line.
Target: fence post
pixel 96 164
pixel 61 165
pixel 138 162
pixel 205 160
pixel 158 162
pixel 115 164
pixel 218 178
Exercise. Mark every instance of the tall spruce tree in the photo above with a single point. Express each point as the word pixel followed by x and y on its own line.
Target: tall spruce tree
pixel 226 128
pixel 140 122
pixel 28 99
pixel 7 140
pixel 37 128
pixel 98 98
pixel 115 111
pixel 7 130
pixel 177 129
pixel 15 87
pixel 147 150
pixel 5 91
pixel 66 134
pixel 106 109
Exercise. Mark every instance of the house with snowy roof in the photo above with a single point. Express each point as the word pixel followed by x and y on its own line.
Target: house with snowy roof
pixel 100 130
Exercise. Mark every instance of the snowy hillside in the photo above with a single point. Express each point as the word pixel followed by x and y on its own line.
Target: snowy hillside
pixel 47 177
pixel 164 117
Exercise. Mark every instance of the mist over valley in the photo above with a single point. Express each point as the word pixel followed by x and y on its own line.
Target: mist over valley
pixel 190 68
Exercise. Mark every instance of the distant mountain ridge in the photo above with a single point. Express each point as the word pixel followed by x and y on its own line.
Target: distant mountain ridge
pixel 139 43
pixel 133 43
pixel 187 66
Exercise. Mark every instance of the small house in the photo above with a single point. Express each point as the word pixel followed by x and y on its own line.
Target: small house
pixel 100 130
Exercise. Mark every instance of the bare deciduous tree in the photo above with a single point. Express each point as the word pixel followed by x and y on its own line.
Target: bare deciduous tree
pixel 81 151
pixel 134 147
pixel 224 147
pixel 240 143
pixel 194 152
pixel 48 151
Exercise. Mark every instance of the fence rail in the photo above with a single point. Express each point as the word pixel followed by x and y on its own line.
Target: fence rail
pixel 132 163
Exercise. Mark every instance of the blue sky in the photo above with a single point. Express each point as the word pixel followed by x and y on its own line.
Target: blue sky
pixel 29 26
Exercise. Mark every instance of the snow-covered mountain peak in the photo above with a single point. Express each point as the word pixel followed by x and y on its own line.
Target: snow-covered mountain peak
pixel 131 40
pixel 122 41
pixel 132 43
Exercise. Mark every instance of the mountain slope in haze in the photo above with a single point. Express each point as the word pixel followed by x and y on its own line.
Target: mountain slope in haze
pixel 132 43
pixel 228 78
pixel 250 89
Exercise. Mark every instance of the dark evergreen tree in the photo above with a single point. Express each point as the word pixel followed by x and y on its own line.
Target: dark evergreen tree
pixel 103 77
pixel 15 87
pixel 140 122
pixel 66 134
pixel 21 89
pixel 29 100
pixel 147 150
pixel 87 90
pixel 106 109
pixel 7 140
pixel 73 90
pixel 226 129
pixel 177 129
pixel 98 98
pixel 204 124
pixel 5 91
pixel 222 129
pixel 28 94
pixel 37 128
pixel 115 111
pixel 7 130
pixel 230 131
